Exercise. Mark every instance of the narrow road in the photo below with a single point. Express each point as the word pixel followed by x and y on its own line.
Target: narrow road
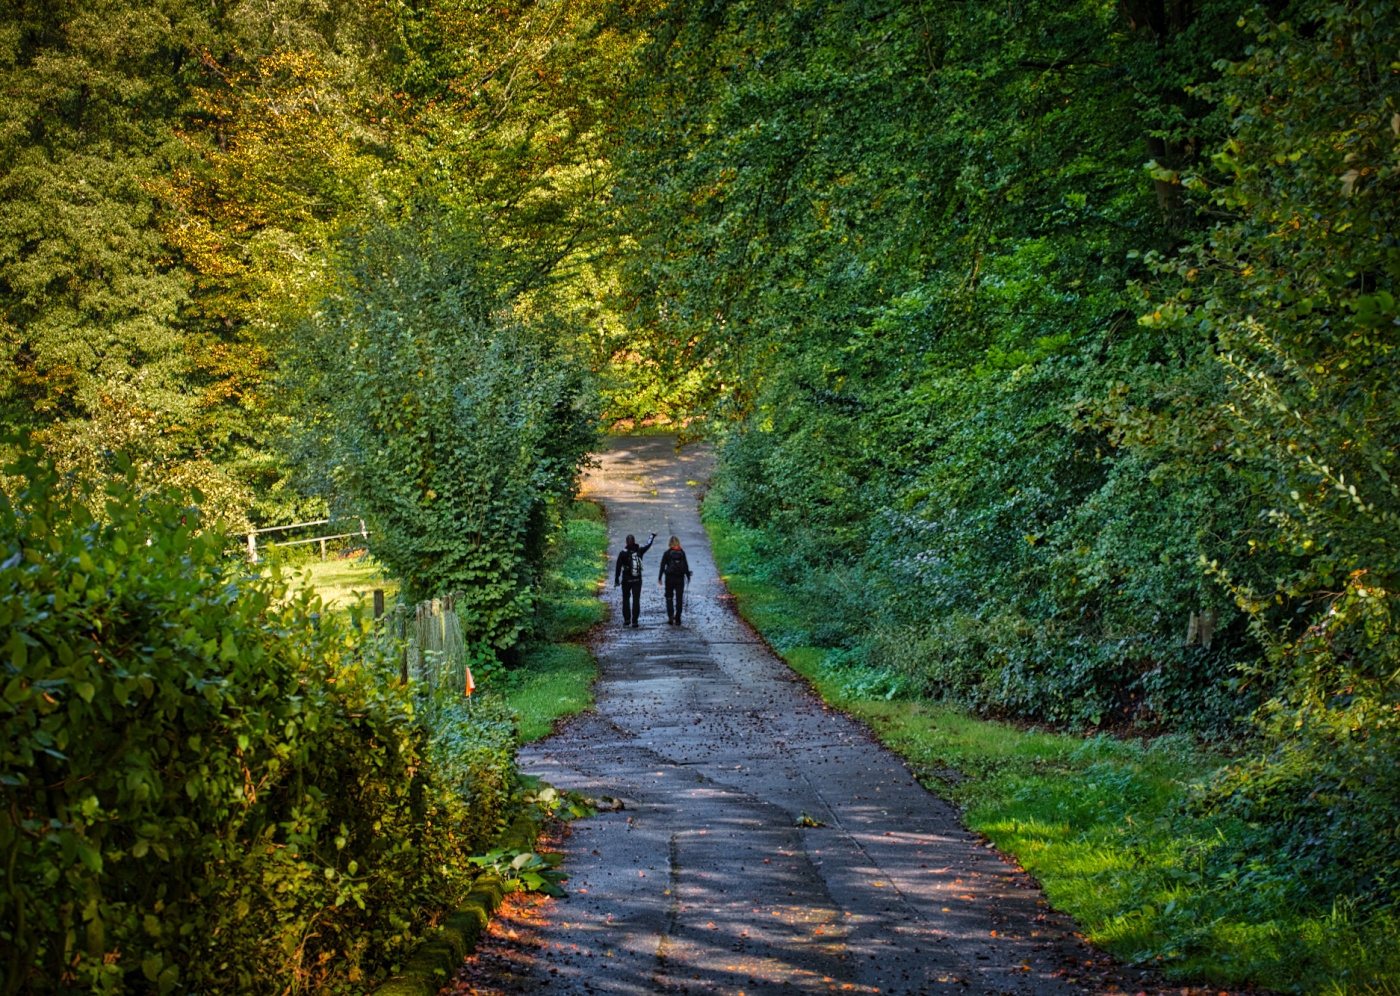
pixel 706 882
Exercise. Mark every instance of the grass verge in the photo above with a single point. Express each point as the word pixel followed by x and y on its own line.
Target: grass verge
pixel 555 676
pixel 343 583
pixel 1100 821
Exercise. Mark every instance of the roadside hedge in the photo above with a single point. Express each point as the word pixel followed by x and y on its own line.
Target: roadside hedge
pixel 204 787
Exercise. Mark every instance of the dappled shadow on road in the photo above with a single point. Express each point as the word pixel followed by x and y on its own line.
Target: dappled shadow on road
pixel 521 954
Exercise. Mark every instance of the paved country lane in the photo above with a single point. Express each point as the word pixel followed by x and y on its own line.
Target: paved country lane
pixel 705 883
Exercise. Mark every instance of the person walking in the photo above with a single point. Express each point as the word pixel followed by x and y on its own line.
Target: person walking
pixel 675 572
pixel 629 574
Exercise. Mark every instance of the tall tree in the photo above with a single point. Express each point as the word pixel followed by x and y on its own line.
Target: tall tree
pixel 1301 286
pixel 89 300
pixel 904 238
pixel 178 180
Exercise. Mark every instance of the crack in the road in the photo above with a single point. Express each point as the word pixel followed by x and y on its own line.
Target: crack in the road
pixel 673 909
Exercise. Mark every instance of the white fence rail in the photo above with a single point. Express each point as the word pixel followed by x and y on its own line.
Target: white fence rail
pixel 255 533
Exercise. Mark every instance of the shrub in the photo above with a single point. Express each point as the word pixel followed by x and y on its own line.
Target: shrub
pixel 1317 819
pixel 203 789
pixel 446 421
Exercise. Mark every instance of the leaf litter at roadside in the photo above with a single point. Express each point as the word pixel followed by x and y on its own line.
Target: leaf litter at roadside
pixel 503 960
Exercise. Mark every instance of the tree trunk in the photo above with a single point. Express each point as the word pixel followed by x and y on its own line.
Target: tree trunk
pixel 1164 20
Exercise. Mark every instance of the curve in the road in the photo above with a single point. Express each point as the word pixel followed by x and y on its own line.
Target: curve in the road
pixel 705 882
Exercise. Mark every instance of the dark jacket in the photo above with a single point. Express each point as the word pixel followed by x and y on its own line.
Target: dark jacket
pixel 673 565
pixel 624 560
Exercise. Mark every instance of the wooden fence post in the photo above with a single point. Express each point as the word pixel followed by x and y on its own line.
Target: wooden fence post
pixel 401 627
pixel 378 603
pixel 418 634
pixel 252 548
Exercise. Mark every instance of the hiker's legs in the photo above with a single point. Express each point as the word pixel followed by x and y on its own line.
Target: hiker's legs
pixel 631 602
pixel 675 597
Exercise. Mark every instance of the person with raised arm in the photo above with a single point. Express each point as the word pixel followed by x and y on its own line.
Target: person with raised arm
pixel 629 574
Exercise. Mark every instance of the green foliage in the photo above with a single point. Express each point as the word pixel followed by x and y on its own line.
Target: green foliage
pixel 923 336
pixel 521 869
pixel 84 301
pixel 471 750
pixel 204 788
pixel 640 389
pixel 1299 288
pixel 452 427
pixel 524 870
pixel 997 663
pixel 177 177
pixel 169 170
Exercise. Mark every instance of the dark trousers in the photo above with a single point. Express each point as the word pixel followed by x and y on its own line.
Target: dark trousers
pixel 631 601
pixel 675 589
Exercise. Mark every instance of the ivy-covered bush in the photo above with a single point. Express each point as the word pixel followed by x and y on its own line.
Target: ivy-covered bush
pixel 206 789
pixel 446 420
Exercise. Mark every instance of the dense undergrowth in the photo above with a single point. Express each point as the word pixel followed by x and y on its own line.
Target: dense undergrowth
pixel 1109 824
pixel 210 786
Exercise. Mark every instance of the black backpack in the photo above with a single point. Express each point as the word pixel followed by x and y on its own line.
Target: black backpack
pixel 632 569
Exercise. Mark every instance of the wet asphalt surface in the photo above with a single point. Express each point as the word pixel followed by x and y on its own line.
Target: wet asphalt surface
pixel 705 882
